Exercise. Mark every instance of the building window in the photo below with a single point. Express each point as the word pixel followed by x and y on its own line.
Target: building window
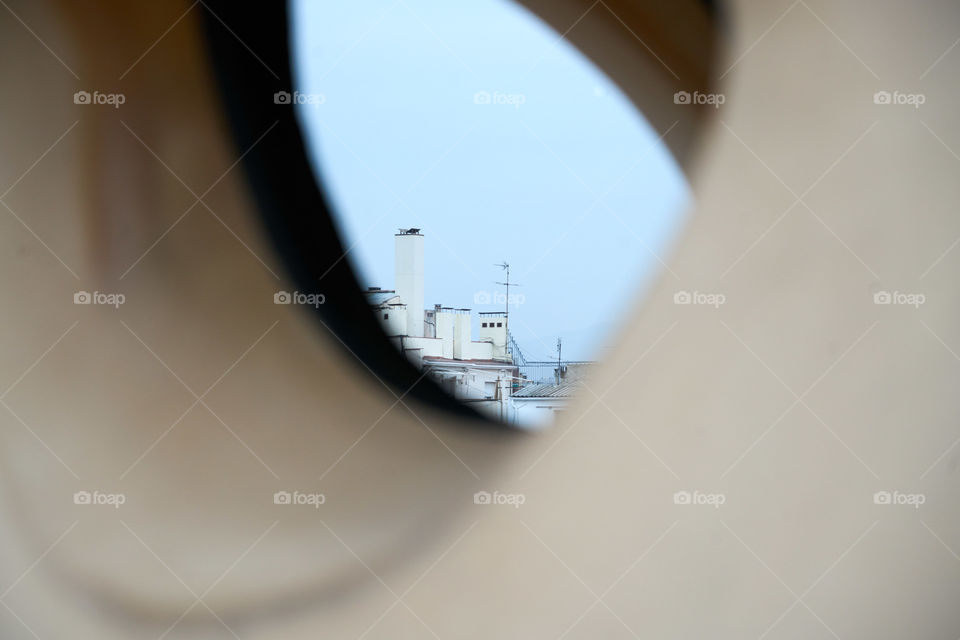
pixel 386 316
pixel 499 324
pixel 484 324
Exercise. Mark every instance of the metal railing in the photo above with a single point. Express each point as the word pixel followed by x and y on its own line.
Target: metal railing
pixel 545 371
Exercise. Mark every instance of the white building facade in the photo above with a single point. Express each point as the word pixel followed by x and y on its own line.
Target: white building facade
pixel 479 372
pixel 439 341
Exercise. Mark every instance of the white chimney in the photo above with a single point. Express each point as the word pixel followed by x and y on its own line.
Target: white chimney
pixel 461 335
pixel 408 272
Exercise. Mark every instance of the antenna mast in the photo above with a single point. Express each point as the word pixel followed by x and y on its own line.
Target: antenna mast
pixel 559 365
pixel 506 305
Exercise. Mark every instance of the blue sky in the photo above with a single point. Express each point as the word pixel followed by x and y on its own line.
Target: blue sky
pixel 558 174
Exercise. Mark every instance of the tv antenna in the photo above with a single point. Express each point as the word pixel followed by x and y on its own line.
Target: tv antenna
pixel 506 305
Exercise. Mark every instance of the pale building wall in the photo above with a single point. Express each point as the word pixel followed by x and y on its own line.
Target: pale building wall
pixel 479 350
pixel 495 333
pixel 432 347
pixel 461 336
pixel 445 330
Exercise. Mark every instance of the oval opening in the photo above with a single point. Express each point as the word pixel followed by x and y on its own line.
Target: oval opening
pixel 502 201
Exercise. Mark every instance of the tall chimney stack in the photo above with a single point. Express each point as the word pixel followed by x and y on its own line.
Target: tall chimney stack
pixel 408 272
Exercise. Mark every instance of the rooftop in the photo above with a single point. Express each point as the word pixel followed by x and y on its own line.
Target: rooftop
pixel 549 390
pixel 380 296
pixel 503 364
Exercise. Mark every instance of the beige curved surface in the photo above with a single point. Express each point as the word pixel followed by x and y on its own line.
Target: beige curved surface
pixel 797 399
